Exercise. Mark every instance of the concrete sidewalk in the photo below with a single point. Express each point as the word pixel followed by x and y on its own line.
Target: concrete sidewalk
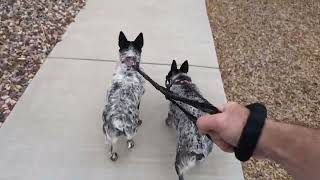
pixel 55 130
pixel 176 29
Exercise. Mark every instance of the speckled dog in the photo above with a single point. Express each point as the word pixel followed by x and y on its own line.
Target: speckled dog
pixel 191 146
pixel 121 113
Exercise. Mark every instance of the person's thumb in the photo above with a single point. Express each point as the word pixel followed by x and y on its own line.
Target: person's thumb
pixel 209 123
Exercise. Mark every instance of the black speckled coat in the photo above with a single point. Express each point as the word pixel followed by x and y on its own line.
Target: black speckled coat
pixel 191 146
pixel 121 113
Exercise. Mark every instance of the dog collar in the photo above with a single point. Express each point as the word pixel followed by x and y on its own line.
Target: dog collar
pixel 183 82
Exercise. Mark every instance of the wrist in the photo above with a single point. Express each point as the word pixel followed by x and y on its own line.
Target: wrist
pixel 263 149
pixel 267 145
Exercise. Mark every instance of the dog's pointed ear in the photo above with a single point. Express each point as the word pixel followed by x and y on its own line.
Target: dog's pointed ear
pixel 185 67
pixel 138 42
pixel 123 42
pixel 174 66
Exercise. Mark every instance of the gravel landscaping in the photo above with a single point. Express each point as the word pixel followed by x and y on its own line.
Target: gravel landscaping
pixel 269 51
pixel 28 31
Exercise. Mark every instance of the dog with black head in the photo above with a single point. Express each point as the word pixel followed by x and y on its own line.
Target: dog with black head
pixel 121 113
pixel 191 146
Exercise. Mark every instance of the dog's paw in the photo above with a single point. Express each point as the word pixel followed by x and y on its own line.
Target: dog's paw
pixel 130 144
pixel 114 156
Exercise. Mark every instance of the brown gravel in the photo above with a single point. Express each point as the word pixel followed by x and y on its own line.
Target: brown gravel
pixel 269 51
pixel 29 30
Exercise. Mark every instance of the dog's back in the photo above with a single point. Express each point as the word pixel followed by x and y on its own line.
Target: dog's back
pixel 123 99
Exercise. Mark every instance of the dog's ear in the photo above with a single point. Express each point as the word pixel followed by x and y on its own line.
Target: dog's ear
pixel 138 42
pixel 174 66
pixel 123 42
pixel 185 67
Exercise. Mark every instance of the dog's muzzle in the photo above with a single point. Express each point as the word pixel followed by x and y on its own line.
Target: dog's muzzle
pixel 129 61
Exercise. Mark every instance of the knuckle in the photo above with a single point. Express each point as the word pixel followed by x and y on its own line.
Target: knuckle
pixel 232 103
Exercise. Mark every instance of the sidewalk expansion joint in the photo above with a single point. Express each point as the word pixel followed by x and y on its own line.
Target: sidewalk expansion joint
pixel 111 60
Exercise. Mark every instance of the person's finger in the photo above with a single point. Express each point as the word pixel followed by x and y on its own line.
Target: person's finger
pixel 209 123
pixel 224 146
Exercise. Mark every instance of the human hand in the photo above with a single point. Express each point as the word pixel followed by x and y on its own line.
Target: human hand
pixel 225 128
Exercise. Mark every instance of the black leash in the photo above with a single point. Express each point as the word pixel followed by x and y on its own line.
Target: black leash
pixel 250 133
pixel 205 106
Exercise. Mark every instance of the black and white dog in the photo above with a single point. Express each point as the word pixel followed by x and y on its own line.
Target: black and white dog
pixel 121 113
pixel 191 146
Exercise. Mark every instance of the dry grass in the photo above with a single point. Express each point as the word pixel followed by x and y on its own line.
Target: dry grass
pixel 269 51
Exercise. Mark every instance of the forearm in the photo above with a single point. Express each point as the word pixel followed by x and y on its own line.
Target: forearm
pixel 294 147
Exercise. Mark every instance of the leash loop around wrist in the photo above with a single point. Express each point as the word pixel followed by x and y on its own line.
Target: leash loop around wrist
pixel 251 132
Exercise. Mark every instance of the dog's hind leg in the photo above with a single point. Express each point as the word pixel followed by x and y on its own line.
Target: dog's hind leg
pixel 129 134
pixel 111 141
pixel 110 135
pixel 130 143
pixel 113 155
